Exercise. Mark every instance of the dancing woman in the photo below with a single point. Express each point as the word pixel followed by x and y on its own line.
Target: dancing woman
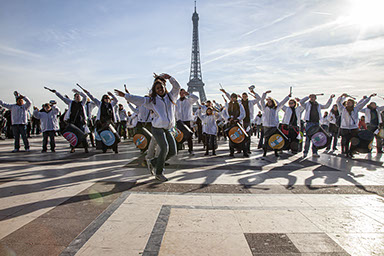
pixel 106 114
pixel 270 117
pixel 292 118
pixel 162 103
pixel 350 120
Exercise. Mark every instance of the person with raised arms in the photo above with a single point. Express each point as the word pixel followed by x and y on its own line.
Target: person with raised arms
pixel 76 114
pixel 106 114
pixel 374 122
pixel 19 117
pixel 270 111
pixel 184 112
pixel 162 103
pixel 350 120
pixel 312 118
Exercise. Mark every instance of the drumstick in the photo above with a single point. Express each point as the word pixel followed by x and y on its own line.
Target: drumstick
pixel 351 97
pixel 319 94
pixel 49 89
pixel 80 87
pixel 221 86
pixel 242 129
pixel 290 90
pixel 282 134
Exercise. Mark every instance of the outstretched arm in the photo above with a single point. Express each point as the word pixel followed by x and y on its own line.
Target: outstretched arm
pixel 175 87
pixel 329 102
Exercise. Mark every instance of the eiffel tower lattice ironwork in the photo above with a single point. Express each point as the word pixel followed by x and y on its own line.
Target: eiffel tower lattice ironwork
pixel 195 83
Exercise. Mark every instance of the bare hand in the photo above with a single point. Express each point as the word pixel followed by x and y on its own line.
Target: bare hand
pixel 35 108
pixel 75 91
pixel 290 95
pixel 119 93
pixel 268 92
pixel 373 94
pixel 364 97
pixel 297 99
pixel 110 94
pixel 332 96
pixel 344 95
pixel 223 91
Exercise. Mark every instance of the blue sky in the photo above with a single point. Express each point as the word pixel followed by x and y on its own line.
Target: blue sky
pixel 315 46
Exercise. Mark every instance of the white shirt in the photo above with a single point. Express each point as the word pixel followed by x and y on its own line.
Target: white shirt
pixel 271 115
pixel 164 109
pixel 123 115
pixel 307 106
pixel 184 110
pixel 19 114
pixel 208 122
pixel 49 121
pixel 367 113
pixel 89 106
pixel 114 102
pixel 331 118
pixel 288 114
pixel 350 120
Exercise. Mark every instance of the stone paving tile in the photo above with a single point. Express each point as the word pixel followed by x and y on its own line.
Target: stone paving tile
pixel 201 220
pixel 314 243
pixel 360 243
pixel 185 243
pixel 270 243
pixel 274 221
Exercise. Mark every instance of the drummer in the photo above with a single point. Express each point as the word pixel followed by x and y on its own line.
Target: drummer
pixel 106 114
pixel 184 112
pixel 312 118
pixel 270 112
pixel 162 103
pixel 350 120
pixel 235 113
pixel 334 124
pixel 292 118
pixel 76 113
pixel 374 122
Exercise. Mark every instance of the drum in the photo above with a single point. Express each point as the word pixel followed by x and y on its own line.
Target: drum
pixel 177 134
pixel 73 135
pixel 108 135
pixel 275 138
pixel 319 137
pixel 142 139
pixel 363 141
pixel 236 135
pixel 294 135
pixel 186 132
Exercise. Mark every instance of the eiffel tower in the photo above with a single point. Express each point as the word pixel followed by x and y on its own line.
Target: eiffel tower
pixel 195 83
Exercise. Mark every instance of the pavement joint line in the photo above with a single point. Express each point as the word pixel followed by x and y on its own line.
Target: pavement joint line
pixel 92 228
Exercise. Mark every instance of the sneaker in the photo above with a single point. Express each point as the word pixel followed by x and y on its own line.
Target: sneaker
pixel 86 150
pixel 245 155
pixel 191 153
pixel 150 167
pixel 72 150
pixel 167 164
pixel 27 150
pixel 277 154
pixel 161 177
pixel 305 155
pixel 206 154
pixel 213 153
pixel 44 151
pixel 315 155
pixel 231 155
pixel 334 149
pixel 53 150
pixel 15 150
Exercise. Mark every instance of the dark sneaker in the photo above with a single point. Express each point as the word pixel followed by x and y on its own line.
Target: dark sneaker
pixel 72 150
pixel 44 151
pixel 15 150
pixel 53 150
pixel 161 177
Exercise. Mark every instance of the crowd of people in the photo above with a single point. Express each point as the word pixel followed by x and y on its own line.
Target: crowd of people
pixel 162 121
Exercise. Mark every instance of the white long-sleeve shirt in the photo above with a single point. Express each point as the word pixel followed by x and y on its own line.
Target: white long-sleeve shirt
pixel 49 121
pixel 251 104
pixel 242 112
pixel 325 121
pixel 89 106
pixel 350 120
pixel 307 106
pixel 184 110
pixel 367 113
pixel 258 120
pixel 208 122
pixel 123 115
pixel 69 103
pixel 164 109
pixel 288 114
pixel 19 114
pixel 143 114
pixel 331 118
pixel 114 102
pixel 271 115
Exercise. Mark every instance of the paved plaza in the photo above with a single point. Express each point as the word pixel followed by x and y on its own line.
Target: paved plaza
pixel 108 204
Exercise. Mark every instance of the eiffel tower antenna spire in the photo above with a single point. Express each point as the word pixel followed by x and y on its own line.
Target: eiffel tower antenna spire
pixel 195 83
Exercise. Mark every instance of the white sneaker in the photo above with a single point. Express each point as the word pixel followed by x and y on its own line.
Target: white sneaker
pixel 150 167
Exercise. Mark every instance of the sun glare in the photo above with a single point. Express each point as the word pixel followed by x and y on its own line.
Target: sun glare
pixel 367 13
